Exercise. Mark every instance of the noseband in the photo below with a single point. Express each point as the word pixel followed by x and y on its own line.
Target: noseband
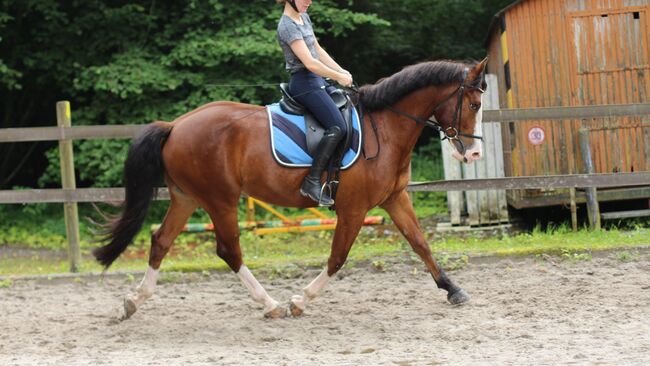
pixel 452 132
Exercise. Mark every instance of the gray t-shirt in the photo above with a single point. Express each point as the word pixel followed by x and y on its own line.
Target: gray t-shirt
pixel 289 31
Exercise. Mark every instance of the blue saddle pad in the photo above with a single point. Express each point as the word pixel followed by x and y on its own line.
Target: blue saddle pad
pixel 289 142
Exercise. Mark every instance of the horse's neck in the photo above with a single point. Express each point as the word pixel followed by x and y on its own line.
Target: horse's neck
pixel 402 132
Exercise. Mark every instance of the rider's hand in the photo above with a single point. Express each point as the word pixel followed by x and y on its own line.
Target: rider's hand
pixel 344 79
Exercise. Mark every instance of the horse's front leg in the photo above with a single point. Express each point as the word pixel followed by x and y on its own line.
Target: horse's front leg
pixel 347 229
pixel 400 209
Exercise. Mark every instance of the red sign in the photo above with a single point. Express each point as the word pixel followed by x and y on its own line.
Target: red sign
pixel 536 135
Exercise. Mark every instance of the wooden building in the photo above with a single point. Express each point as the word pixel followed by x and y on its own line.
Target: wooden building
pixel 548 53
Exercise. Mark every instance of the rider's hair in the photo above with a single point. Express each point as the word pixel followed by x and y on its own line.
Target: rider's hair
pixel 280 1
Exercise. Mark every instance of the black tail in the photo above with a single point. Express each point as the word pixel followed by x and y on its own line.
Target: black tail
pixel 143 171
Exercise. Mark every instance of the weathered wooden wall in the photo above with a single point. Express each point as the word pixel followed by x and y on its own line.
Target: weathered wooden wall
pixel 573 53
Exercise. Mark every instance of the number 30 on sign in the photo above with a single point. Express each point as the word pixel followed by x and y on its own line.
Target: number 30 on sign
pixel 536 135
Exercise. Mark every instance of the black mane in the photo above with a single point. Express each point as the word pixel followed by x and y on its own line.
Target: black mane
pixel 391 89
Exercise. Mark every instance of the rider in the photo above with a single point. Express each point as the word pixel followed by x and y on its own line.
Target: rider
pixel 308 64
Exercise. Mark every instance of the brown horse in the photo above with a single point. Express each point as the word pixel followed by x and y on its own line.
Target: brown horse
pixel 210 156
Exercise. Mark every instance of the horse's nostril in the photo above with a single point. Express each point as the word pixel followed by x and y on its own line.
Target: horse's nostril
pixel 476 155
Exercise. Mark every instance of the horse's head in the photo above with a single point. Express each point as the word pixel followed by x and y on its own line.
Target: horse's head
pixel 460 115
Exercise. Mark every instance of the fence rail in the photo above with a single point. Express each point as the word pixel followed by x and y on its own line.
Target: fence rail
pixel 69 195
pixel 577 112
pixel 501 115
pixel 535 182
pixel 68 133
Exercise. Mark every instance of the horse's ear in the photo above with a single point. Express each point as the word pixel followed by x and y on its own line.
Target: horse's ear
pixel 476 72
pixel 482 64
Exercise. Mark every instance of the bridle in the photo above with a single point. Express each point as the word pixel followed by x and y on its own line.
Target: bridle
pixel 452 132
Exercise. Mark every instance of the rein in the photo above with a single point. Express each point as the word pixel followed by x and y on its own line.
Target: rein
pixel 452 132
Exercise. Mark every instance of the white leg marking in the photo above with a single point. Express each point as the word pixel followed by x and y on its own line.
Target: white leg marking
pixel 146 287
pixel 256 290
pixel 312 290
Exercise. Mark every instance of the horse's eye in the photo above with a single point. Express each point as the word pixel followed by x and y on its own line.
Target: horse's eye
pixel 475 106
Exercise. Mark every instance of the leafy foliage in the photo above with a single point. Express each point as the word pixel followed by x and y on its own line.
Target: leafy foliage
pixel 133 62
pixel 136 61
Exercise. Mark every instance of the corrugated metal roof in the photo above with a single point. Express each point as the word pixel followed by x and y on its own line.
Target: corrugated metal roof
pixel 495 20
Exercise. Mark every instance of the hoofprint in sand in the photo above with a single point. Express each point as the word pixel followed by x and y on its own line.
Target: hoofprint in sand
pixel 524 311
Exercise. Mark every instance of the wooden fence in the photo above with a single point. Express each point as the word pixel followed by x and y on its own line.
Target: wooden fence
pixel 54 195
pixel 489 207
pixel 70 195
pixel 493 116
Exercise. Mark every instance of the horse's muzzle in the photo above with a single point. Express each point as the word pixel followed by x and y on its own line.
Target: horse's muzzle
pixel 472 154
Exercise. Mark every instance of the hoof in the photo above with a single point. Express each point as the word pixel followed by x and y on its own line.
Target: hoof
pixel 277 313
pixel 458 297
pixel 295 310
pixel 129 308
pixel 297 305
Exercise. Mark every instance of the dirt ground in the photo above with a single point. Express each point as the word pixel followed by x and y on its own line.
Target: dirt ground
pixel 526 311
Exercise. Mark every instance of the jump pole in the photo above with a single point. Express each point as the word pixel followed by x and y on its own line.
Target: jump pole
pixel 315 222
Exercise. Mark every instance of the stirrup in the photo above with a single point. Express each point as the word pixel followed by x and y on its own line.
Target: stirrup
pixel 322 191
pixel 332 185
pixel 330 188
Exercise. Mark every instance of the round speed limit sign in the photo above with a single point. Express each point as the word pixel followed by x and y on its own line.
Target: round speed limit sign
pixel 536 135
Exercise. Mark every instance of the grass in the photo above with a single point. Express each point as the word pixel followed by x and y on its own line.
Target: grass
pixel 6 283
pixel 554 241
pixel 281 252
pixel 624 256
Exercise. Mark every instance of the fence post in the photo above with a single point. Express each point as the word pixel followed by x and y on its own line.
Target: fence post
pixel 593 210
pixel 63 120
pixel 453 170
pixel 574 209
pixel 250 209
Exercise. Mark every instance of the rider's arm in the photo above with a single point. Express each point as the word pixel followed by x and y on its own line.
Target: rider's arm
pixel 328 60
pixel 299 48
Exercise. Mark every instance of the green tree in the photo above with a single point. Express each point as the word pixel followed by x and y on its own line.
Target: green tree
pixel 419 30
pixel 135 61
pixel 123 62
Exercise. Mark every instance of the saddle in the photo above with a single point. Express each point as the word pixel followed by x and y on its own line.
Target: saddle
pixel 315 130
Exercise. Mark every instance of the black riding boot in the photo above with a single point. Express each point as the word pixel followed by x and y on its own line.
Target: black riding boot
pixel 311 187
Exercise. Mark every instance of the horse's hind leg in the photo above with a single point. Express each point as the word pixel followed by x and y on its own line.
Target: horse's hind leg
pixel 400 209
pixel 226 228
pixel 180 210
